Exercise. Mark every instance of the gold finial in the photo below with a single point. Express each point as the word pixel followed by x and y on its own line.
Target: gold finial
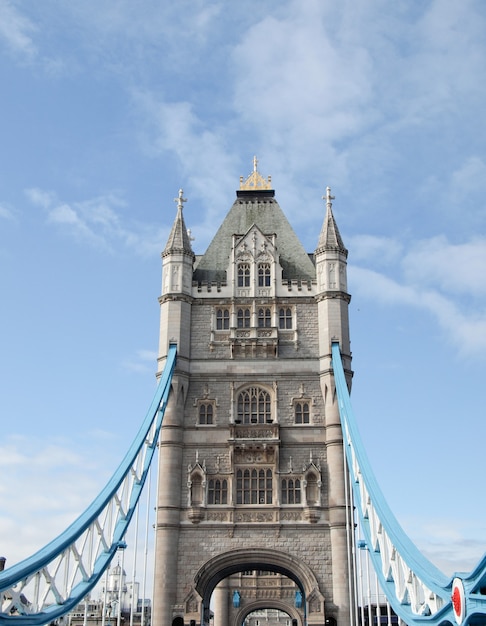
pixel 180 199
pixel 255 180
pixel 328 198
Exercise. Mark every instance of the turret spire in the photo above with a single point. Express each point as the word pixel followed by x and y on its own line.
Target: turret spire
pixel 330 238
pixel 179 240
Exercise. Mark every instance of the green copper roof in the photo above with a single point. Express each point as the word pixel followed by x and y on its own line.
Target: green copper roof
pixel 261 209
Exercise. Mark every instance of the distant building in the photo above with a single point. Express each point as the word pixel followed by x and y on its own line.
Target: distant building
pixel 106 610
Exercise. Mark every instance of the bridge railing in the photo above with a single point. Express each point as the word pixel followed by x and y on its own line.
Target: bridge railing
pixel 415 588
pixel 53 581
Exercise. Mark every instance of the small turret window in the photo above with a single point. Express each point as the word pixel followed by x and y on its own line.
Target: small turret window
pixel 244 275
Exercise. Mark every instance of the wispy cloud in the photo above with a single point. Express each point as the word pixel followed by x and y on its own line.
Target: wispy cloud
pixel 16 31
pixel 433 275
pixel 100 222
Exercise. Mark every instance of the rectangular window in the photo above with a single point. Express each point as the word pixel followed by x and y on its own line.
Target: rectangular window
pixel 254 486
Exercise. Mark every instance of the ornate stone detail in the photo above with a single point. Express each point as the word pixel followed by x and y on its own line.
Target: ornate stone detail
pixel 312 514
pixel 254 456
pixel 291 516
pixel 195 514
pixel 255 180
pixel 217 516
pixel 254 516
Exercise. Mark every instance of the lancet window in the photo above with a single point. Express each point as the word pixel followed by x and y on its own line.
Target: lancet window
pixel 302 413
pixel 291 491
pixel 264 317
pixel 264 274
pixel 222 319
pixel 206 413
pixel 243 318
pixel 285 318
pixel 218 491
pixel 243 275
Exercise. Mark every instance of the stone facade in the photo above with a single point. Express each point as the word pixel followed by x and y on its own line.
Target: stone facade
pixel 251 461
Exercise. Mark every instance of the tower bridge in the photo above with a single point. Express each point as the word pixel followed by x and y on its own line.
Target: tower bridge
pixel 261 467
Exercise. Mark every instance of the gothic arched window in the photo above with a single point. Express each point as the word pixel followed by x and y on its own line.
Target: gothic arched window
pixel 264 275
pixel 243 317
pixel 254 406
pixel 302 413
pixel 222 319
pixel 206 412
pixel 264 317
pixel 285 318
pixel 218 491
pixel 291 491
pixel 243 275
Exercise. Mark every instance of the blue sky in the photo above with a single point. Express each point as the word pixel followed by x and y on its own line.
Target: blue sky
pixel 107 109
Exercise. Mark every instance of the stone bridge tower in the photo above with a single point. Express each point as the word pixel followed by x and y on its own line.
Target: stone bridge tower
pixel 251 507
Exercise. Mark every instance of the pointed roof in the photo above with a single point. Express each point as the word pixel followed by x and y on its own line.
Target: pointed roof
pixel 330 238
pixel 255 204
pixel 179 240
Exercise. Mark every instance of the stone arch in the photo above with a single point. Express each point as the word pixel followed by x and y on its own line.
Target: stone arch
pixel 268 604
pixel 257 558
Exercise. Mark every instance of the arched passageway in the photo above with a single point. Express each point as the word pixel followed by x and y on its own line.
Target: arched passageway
pixel 226 564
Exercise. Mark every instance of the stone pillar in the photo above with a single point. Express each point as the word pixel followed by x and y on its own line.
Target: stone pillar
pixel 168 509
pixel 220 604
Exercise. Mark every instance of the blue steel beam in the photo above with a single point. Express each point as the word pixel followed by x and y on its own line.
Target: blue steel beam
pixel 418 592
pixel 51 582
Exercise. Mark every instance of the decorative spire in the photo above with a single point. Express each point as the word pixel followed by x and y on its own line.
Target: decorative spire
pixel 328 198
pixel 180 200
pixel 330 238
pixel 255 180
pixel 179 238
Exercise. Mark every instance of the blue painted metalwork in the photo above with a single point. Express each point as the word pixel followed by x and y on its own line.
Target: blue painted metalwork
pixel 418 592
pixel 51 582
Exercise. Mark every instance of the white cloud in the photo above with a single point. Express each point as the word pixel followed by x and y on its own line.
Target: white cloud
pixel 6 212
pixel 40 197
pixel 464 326
pixel 98 221
pixel 452 268
pixel 16 30
pixel 370 248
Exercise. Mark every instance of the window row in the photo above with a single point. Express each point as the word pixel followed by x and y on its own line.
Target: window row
pixel 255 486
pixel 263 274
pixel 253 406
pixel 263 318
